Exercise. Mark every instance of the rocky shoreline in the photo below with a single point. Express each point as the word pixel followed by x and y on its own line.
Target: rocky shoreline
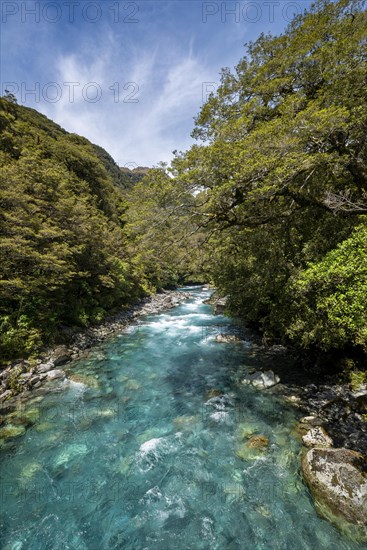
pixel 334 408
pixel 337 408
pixel 25 375
pixel 333 432
pixel 332 425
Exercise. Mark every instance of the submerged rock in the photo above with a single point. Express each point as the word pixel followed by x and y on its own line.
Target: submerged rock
pixel 124 464
pixel 25 417
pixel 44 426
pixel 338 482
pixel 258 442
pixel 186 422
pixel 214 393
pixel 245 430
pixel 84 379
pixel 9 431
pixel 262 380
pixel 253 448
pixel 132 384
pixel 71 452
pixel 29 471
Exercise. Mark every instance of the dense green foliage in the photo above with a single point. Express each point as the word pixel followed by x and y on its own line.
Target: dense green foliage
pixel 284 178
pixel 271 206
pixel 163 227
pixel 64 258
pixel 329 298
pixel 282 175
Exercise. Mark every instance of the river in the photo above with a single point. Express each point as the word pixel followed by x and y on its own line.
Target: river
pixel 143 449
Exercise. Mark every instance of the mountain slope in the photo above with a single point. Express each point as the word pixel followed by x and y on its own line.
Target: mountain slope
pixel 64 258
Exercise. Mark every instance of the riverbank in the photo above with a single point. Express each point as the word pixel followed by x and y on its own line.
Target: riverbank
pixel 24 375
pixel 340 409
pixel 331 426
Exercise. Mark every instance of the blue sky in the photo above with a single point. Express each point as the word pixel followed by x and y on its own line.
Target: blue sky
pixel 129 76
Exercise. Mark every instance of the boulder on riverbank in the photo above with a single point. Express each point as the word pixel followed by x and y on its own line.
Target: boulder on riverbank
pixel 317 437
pixel 61 355
pixel 338 409
pixel 218 302
pixel 337 479
pixel 55 374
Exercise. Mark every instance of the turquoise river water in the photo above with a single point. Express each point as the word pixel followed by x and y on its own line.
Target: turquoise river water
pixel 137 450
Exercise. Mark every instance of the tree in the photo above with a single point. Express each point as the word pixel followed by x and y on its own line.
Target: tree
pixel 162 230
pixel 64 255
pixel 283 165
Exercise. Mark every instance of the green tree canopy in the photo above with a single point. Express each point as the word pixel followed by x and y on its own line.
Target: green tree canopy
pixel 282 170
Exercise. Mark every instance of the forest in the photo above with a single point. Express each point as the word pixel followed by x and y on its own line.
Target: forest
pixel 269 205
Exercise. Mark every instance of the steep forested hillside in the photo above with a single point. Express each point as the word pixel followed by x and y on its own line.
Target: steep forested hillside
pixel 64 257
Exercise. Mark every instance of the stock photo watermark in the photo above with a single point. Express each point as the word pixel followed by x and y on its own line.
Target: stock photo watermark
pixel 208 89
pixel 249 12
pixel 131 166
pixel 55 12
pixel 73 413
pixel 131 492
pixel 70 491
pixel 71 92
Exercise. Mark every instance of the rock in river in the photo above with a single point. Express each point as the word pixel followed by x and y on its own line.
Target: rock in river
pixel 227 338
pixel 338 482
pixel 254 448
pixel 9 431
pixel 262 380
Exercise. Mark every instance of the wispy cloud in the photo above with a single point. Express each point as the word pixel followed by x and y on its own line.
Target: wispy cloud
pixel 148 76
pixel 153 114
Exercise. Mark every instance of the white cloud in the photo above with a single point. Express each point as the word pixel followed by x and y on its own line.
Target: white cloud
pixel 143 132
pixel 157 53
